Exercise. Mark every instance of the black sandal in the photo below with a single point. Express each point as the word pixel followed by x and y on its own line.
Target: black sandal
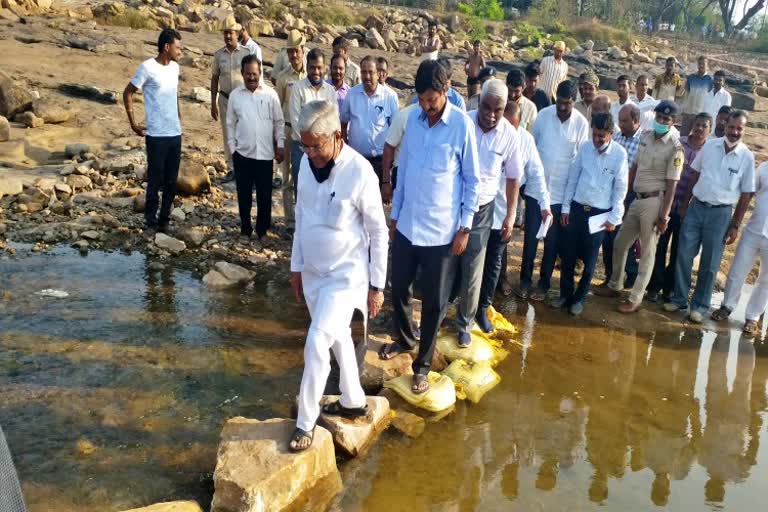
pixel 336 409
pixel 420 384
pixel 391 350
pixel 297 436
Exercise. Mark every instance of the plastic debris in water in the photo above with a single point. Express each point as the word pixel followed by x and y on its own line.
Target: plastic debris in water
pixel 50 292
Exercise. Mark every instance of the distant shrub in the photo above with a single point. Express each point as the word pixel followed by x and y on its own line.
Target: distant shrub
pixel 130 17
pixel 761 43
pixel 488 9
pixel 596 31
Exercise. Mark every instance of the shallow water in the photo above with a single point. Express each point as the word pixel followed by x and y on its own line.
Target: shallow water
pixel 114 396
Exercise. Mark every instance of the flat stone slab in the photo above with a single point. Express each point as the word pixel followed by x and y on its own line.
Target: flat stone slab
pixel 355 436
pixel 256 472
pixel 171 506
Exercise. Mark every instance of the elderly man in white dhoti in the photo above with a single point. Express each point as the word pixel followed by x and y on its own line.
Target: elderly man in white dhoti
pixel 338 264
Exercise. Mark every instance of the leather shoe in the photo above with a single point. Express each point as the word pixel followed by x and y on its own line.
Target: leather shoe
pixel 604 291
pixel 628 307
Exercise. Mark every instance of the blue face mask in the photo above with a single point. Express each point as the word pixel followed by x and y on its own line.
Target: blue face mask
pixel 313 82
pixel 660 129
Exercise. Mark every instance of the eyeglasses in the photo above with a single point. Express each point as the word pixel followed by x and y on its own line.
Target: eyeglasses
pixel 315 148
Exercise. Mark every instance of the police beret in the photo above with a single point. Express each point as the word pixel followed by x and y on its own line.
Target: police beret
pixel 668 108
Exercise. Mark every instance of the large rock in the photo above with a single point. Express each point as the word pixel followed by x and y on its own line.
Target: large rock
pixel 171 506
pixel 76 149
pixel 169 243
pixel 255 471
pixel 225 275
pixel 5 129
pixel 355 436
pixel 50 112
pixel 78 182
pixel 10 187
pixel 193 236
pixel 29 119
pixel 376 371
pixel 375 40
pixel 193 179
pixel 14 98
pixel 616 53
pixel 201 95
pixel 90 92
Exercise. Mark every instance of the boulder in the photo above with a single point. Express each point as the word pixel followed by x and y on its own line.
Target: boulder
pixel 261 28
pixel 5 129
pixel 171 506
pixel 89 92
pixel 407 423
pixel 201 95
pixel 375 40
pixel 642 58
pixel 234 272
pixel 29 119
pixel 10 187
pixel 13 150
pixel 193 179
pixel 255 471
pixel 139 203
pixel 169 243
pixel 78 182
pixel 355 436
pixel 616 53
pixel 75 150
pixel 14 98
pixel 8 15
pixel 178 215
pixel 374 21
pixel 376 371
pixel 50 112
pixel 193 236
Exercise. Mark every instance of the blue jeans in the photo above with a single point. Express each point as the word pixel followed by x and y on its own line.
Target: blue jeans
pixel 579 244
pixel 703 228
pixel 296 154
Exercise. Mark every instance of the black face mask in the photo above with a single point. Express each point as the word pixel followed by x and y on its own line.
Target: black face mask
pixel 322 173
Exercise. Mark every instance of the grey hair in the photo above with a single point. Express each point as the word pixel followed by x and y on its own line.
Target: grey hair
pixel 494 88
pixel 319 118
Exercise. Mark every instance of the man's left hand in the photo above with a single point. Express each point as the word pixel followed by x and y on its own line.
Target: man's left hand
pixel 661 225
pixel 375 302
pixel 459 243
pixel 731 235
pixel 279 155
pixel 506 228
pixel 609 227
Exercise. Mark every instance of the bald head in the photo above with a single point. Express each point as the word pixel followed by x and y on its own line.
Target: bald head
pixel 512 113
pixel 602 104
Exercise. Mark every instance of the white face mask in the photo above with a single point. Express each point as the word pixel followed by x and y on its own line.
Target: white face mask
pixel 603 147
pixel 731 145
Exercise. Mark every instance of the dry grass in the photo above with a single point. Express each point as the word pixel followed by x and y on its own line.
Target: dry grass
pixel 583 30
pixel 130 17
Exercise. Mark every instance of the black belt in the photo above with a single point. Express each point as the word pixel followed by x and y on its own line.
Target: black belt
pixel 646 195
pixel 225 94
pixel 710 205
pixel 587 208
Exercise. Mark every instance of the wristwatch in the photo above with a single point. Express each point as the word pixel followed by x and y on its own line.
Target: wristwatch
pixel 464 231
pixel 375 288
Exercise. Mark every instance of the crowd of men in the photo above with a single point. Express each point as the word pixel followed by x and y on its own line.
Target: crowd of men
pixel 593 174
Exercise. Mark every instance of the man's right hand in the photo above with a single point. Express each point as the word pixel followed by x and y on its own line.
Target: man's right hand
pixel 297 287
pixel 564 219
pixel 682 209
pixel 392 229
pixel 386 193
pixel 214 111
pixel 139 130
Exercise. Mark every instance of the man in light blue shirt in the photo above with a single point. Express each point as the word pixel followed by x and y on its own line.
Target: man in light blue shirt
pixel 453 96
pixel 433 207
pixel 597 184
pixel 367 114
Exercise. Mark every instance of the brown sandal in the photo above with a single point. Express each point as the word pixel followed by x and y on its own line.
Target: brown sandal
pixel 420 384
pixel 751 328
pixel 391 350
pixel 297 436
pixel 721 314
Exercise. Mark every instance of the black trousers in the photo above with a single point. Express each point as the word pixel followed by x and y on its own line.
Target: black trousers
pixel 438 268
pixel 579 244
pixel 532 222
pixel 250 173
pixel 663 277
pixel 553 246
pixel 495 262
pixel 163 159
pixel 376 164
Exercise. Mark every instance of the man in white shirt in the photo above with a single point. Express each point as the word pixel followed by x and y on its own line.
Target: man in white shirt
pixel 158 78
pixel 432 211
pixel 256 136
pixel 753 245
pixel 718 97
pixel 431 44
pixel 391 154
pixel 340 46
pixel 559 131
pixel 596 186
pixel 622 89
pixel 367 114
pixel 553 69
pixel 498 155
pixel 311 88
pixel 645 102
pixel 724 176
pixel 515 86
pixel 338 263
pixel 248 42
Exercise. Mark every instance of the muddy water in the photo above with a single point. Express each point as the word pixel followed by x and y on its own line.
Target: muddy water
pixel 114 396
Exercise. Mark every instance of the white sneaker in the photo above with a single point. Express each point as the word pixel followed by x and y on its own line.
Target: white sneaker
pixel 696 317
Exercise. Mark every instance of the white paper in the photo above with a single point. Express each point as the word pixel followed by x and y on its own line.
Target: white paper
pixel 596 222
pixel 544 228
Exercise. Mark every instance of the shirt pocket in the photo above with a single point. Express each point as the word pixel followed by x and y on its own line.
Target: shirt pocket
pixel 603 179
pixel 733 180
pixel 339 214
pixel 442 159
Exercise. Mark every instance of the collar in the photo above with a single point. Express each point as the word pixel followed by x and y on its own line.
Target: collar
pixel 445 118
pixel 735 150
pixel 343 87
pixel 238 47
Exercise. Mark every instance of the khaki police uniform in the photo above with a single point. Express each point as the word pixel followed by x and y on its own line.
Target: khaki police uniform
pixel 226 65
pixel 284 85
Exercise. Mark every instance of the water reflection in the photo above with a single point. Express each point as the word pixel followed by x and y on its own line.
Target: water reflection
pixel 144 364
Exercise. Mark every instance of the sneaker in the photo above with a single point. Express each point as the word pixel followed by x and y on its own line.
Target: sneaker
pixel 558 302
pixel 230 176
pixel 671 307
pixel 576 308
pixel 696 317
pixel 465 340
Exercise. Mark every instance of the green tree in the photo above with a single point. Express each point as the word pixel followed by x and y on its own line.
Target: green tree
pixel 488 9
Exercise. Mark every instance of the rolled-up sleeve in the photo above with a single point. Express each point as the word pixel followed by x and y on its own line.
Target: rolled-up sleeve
pixel 619 192
pixel 470 176
pixel 376 227
pixel 513 163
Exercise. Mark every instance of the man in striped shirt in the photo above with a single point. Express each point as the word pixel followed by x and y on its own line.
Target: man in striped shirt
pixel 553 70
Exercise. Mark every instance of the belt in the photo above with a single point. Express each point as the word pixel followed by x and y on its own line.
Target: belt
pixel 225 94
pixel 587 208
pixel 710 205
pixel 646 195
pixel 288 125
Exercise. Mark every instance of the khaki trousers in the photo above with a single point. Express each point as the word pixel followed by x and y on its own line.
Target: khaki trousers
pixel 638 223
pixel 222 102
pixel 285 169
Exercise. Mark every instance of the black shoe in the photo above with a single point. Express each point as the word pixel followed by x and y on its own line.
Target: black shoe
pixel 277 182
pixel 163 228
pixel 150 230
pixel 230 176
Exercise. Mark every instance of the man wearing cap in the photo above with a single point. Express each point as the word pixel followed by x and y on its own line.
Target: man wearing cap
pixel 532 91
pixel 653 178
pixel 340 46
pixel 668 85
pixel 226 77
pixel 528 110
pixel 588 83
pixel 554 69
pixel 367 114
pixel 296 71
pixel 597 185
pixel 311 88
pixel 724 176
